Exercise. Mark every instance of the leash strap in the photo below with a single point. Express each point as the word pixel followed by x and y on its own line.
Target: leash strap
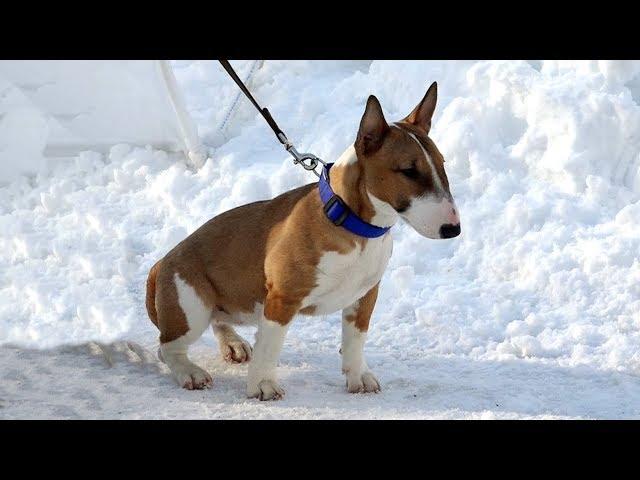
pixel 307 160
pixel 334 207
pixel 282 138
pixel 340 214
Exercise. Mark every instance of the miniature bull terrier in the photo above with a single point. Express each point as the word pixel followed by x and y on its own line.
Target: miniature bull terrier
pixel 313 250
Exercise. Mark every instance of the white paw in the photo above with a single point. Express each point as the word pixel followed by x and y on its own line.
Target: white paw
pixel 266 390
pixel 236 351
pixel 193 378
pixel 364 382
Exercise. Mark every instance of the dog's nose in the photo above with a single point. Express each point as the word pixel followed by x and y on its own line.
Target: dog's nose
pixel 449 231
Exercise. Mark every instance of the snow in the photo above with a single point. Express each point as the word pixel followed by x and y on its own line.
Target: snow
pixel 52 109
pixel 533 312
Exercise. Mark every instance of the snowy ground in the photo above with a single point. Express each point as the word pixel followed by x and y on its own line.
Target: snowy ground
pixel 534 311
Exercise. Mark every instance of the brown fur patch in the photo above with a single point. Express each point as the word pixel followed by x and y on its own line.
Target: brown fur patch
pixel 363 311
pixel 150 300
pixel 172 322
pixel 431 148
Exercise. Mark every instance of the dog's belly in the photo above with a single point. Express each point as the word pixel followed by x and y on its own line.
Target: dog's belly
pixel 240 317
pixel 344 278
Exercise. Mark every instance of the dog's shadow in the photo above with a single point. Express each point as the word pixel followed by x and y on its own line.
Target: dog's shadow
pixel 126 380
pixel 457 387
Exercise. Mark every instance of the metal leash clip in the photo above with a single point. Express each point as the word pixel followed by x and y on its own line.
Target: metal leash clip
pixel 308 160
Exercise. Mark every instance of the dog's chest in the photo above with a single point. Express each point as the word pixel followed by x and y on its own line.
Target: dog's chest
pixel 344 278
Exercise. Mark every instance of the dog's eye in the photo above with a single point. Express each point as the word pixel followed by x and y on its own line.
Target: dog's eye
pixel 411 173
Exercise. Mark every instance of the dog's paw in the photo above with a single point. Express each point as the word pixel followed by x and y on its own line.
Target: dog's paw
pixel 364 382
pixel 236 351
pixel 266 390
pixel 193 378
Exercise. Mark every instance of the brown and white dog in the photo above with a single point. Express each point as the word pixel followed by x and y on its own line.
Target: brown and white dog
pixel 265 262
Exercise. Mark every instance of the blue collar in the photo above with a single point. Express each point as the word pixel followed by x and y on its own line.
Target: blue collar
pixel 340 214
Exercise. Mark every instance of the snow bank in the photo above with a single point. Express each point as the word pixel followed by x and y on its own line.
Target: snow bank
pixel 543 160
pixel 52 109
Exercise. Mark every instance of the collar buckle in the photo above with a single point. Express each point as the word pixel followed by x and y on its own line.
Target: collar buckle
pixel 332 212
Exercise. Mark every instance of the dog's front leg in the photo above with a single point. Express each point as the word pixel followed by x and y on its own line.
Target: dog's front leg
pixel 262 380
pixel 355 323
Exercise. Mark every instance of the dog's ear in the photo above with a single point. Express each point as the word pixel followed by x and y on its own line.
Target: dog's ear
pixel 373 127
pixel 421 115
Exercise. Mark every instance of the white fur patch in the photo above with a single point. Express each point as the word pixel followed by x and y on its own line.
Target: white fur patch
pixel 427 214
pixel 174 353
pixel 348 156
pixel 261 380
pixel 197 313
pixel 385 215
pixel 352 344
pixel 344 278
pixel 354 366
pixel 187 374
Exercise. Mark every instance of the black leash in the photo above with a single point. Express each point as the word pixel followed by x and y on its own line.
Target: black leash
pixel 334 207
pixel 300 158
pixel 263 111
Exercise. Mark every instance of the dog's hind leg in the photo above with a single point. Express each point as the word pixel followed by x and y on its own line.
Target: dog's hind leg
pixel 184 313
pixel 233 348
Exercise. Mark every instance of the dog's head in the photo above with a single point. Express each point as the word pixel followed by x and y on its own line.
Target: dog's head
pixel 403 167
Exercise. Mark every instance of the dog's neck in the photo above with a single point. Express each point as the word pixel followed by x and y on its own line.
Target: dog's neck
pixel 347 181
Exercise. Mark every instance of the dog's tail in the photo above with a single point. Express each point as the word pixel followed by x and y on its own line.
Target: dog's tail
pixel 151 294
